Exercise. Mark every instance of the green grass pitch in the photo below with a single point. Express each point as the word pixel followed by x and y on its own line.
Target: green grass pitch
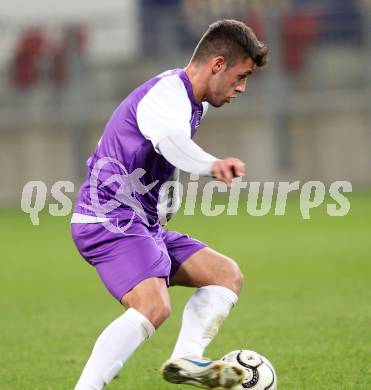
pixel 306 303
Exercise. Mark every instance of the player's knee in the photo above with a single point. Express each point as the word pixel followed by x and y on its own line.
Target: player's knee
pixel 154 308
pixel 236 278
pixel 158 313
pixel 239 280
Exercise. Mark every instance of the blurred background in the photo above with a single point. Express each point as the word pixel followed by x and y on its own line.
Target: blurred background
pixel 65 66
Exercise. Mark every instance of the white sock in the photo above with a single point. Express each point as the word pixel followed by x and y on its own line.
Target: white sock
pixel 113 348
pixel 203 315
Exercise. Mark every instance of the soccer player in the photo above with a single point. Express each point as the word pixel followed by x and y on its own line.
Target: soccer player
pixel 116 223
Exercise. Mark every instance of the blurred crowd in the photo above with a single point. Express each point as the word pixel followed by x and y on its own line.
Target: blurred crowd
pixel 170 26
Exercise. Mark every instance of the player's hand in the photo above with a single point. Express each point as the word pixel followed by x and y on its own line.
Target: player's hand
pixel 227 169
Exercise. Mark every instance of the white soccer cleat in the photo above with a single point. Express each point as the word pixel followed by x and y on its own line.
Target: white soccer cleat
pixel 208 374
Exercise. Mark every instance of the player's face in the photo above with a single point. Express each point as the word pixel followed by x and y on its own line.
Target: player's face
pixel 227 82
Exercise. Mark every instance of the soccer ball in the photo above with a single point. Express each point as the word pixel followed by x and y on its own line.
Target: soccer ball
pixel 260 374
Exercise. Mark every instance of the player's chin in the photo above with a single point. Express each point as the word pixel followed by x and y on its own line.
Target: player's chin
pixel 219 103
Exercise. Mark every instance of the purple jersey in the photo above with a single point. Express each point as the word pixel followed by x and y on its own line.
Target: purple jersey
pixel 162 105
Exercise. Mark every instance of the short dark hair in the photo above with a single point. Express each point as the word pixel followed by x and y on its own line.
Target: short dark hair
pixel 233 40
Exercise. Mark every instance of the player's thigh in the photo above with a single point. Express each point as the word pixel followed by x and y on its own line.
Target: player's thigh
pixel 209 267
pixel 123 261
pixel 150 297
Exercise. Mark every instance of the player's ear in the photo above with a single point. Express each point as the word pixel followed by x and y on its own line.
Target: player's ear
pixel 217 64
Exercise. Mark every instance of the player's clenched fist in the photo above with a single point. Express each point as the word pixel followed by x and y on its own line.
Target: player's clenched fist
pixel 227 169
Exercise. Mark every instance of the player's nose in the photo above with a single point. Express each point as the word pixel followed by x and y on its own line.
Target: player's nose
pixel 241 88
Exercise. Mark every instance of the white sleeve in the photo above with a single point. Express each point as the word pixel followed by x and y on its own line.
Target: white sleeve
pixel 185 154
pixel 164 109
